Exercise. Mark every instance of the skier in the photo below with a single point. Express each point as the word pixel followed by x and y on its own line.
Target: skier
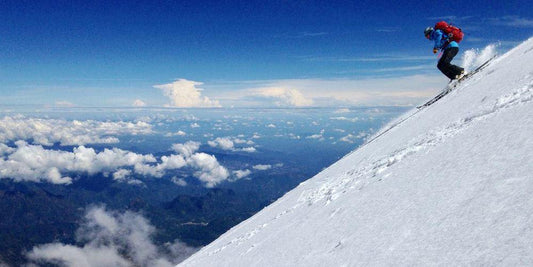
pixel 450 49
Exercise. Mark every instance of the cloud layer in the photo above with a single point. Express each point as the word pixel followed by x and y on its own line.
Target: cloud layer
pixel 369 91
pixel 185 94
pixel 112 239
pixel 34 163
pixel 285 96
pixel 66 133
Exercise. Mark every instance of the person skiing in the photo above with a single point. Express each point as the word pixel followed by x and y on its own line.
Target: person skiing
pixel 450 49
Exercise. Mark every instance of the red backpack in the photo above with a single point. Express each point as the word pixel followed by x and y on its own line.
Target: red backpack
pixel 454 33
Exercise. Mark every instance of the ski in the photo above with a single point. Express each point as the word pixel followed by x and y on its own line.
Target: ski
pixel 454 84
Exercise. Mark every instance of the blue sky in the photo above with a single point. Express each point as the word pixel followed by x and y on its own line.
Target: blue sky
pixel 111 53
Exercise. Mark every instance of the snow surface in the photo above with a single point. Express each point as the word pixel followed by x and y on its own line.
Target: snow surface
pixel 451 185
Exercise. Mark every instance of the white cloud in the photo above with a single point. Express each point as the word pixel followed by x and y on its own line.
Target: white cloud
pixel 294 136
pixel 239 174
pixel 121 174
pixel 139 103
pixel 112 239
pixel 345 119
pixel 342 110
pixel 319 136
pixel 228 143
pixel 4 149
pixel 248 149
pixel 34 163
pixel 66 133
pixel 224 143
pixel 179 181
pixel 370 91
pixel 262 167
pixel 185 94
pixel 178 133
pixel 209 170
pixel 186 149
pixel 242 141
pixel 284 96
pixel 350 138
pixel 314 136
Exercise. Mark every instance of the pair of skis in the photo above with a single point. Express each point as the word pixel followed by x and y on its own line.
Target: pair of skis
pixel 454 84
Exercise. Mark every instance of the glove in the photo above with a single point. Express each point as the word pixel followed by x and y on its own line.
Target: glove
pixel 435 50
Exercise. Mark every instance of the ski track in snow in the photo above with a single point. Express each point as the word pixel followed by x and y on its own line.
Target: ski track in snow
pixel 353 179
pixel 241 239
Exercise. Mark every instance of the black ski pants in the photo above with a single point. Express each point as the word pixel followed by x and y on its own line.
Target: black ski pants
pixel 444 65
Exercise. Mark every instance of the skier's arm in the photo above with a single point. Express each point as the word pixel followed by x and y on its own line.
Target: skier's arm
pixel 437 35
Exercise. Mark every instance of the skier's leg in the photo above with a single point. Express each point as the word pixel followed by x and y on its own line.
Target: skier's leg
pixel 444 63
pixel 456 69
pixel 452 70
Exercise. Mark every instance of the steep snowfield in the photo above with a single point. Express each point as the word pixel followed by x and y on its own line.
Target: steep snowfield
pixel 451 185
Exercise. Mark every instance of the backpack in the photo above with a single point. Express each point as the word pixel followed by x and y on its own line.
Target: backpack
pixel 454 33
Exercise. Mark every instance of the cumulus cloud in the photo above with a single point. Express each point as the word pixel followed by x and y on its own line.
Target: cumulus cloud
pixel 67 133
pixel 112 239
pixel 228 143
pixel 185 94
pixel 285 96
pixel 209 170
pixel 179 181
pixel 35 163
pixel 4 149
pixel 262 167
pixel 319 136
pixel 242 141
pixel 315 136
pixel 239 174
pixel 178 133
pixel 248 149
pixel 350 138
pixel 222 143
pixel 186 149
pixel 121 174
pixel 139 103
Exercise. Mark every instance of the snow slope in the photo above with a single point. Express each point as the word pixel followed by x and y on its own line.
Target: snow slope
pixel 451 185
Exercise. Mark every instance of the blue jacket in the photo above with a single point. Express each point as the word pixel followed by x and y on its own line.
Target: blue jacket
pixel 441 39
